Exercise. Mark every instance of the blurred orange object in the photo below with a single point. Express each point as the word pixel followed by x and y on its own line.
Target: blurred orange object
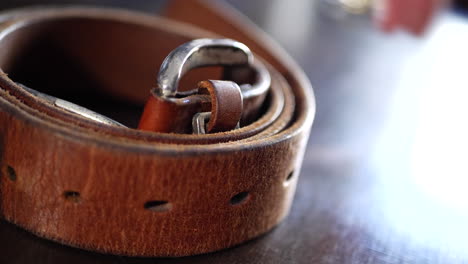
pixel 411 15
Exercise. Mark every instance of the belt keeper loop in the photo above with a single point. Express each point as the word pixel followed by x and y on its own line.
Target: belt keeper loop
pixel 226 107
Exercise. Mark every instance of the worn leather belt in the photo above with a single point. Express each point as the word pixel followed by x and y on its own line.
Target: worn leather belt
pixel 119 190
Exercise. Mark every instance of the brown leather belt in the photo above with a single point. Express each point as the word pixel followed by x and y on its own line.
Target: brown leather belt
pixel 126 191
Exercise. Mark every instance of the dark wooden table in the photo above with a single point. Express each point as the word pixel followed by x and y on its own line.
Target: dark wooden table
pixel 385 177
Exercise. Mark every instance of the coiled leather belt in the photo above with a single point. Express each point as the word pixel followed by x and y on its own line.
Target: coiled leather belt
pixel 125 191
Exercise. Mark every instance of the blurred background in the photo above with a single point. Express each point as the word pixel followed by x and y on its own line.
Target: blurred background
pixel 385 177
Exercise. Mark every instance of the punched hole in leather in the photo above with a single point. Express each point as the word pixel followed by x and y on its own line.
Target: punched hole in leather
pixel 125 191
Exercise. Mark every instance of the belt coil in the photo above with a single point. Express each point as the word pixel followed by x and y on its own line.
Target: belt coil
pixel 137 193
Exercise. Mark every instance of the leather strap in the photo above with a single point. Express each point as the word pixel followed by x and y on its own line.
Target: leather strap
pixel 127 191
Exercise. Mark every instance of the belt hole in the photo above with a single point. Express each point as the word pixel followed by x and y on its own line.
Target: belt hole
pixel 239 198
pixel 158 206
pixel 72 196
pixel 11 173
pixel 288 178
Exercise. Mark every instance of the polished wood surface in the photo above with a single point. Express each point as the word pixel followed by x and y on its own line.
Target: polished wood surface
pixel 384 179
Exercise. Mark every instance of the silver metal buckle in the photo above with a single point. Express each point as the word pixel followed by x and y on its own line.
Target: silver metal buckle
pixel 209 52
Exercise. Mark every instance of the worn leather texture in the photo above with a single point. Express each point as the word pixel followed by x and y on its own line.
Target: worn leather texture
pixel 126 191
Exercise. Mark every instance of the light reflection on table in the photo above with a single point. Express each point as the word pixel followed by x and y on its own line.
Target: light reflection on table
pixel 421 155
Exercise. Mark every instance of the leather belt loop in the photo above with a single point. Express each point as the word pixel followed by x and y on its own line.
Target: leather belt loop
pixel 226 105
